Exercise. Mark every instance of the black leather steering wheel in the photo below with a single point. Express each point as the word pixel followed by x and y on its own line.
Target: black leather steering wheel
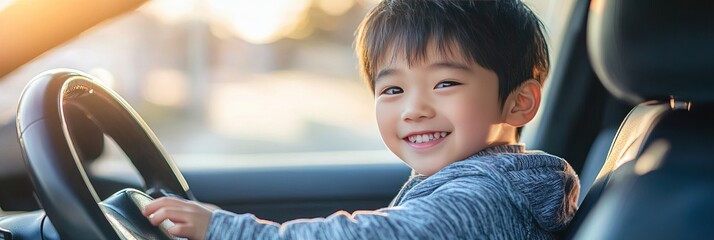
pixel 46 108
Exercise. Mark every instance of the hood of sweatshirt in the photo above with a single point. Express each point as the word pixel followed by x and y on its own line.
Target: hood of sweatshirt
pixel 541 185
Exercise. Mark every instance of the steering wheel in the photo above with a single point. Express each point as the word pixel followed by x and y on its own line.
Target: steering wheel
pixel 46 110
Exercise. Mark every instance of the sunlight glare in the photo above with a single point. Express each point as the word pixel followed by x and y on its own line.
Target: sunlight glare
pixel 258 22
pixel 169 11
pixel 5 3
pixel 369 3
pixel 335 8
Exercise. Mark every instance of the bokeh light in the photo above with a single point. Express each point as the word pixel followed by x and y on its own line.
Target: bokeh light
pixel 258 22
pixel 104 76
pixel 335 7
pixel 170 11
pixel 166 87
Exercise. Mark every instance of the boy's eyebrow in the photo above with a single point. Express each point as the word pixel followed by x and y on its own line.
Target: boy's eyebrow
pixel 384 72
pixel 454 65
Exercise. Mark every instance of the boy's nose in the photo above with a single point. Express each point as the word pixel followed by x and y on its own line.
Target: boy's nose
pixel 417 109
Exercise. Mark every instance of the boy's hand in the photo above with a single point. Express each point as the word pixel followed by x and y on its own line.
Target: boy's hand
pixel 190 218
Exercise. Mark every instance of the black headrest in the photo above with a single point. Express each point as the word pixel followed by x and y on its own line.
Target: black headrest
pixel 653 49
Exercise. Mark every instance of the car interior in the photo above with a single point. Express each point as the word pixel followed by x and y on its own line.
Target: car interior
pixel 629 107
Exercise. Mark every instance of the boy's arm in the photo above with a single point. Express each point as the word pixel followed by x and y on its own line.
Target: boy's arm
pixel 449 212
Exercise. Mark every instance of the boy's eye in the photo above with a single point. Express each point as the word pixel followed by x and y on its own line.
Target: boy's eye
pixel 392 90
pixel 446 84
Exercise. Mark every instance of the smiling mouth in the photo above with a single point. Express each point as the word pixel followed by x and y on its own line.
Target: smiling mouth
pixel 426 137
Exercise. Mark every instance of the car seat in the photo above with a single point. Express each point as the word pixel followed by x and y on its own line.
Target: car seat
pixel 657 180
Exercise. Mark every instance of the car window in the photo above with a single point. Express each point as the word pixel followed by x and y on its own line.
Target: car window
pixel 270 79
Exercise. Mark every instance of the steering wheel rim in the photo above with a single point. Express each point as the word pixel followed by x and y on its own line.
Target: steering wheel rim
pixel 52 160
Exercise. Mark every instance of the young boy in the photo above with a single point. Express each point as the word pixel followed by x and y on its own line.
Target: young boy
pixel 453 81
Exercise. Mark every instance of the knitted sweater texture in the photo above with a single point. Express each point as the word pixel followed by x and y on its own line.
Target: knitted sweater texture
pixel 501 192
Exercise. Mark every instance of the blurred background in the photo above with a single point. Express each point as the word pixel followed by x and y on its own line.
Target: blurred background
pixel 239 78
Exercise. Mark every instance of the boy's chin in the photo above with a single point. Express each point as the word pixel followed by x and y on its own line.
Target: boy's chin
pixel 427 169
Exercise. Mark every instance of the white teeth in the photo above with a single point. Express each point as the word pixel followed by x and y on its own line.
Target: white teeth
pixel 422 138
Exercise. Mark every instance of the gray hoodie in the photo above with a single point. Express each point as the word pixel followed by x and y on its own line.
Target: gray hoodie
pixel 501 192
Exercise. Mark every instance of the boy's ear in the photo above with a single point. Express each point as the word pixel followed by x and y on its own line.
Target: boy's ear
pixel 522 104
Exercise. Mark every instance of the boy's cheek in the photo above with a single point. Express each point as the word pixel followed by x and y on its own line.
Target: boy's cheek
pixel 387 121
pixel 387 117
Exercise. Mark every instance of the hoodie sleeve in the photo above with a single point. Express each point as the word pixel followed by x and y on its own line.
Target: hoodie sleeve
pixel 454 210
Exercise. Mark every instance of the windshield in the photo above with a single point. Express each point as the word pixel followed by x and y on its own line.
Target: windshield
pixel 239 77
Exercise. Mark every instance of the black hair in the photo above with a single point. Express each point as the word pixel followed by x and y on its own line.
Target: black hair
pixel 504 36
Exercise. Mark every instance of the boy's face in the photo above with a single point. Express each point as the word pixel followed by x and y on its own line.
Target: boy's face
pixel 437 111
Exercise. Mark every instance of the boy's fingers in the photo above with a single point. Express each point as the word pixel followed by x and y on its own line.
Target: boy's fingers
pixel 181 230
pixel 159 203
pixel 176 215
